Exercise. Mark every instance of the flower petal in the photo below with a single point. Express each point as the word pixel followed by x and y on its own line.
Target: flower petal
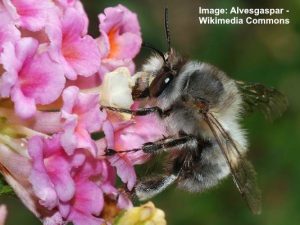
pixel 24 106
pixel 40 75
pixel 3 214
pixel 79 50
pixel 42 185
pixel 82 116
pixel 29 14
pixel 83 55
pixel 125 170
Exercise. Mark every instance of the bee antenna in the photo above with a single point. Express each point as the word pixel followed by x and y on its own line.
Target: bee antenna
pixel 146 45
pixel 167 30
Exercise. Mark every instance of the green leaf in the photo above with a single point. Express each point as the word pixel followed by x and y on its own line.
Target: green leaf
pixel 5 189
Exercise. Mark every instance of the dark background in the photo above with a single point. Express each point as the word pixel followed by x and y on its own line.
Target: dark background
pixel 269 54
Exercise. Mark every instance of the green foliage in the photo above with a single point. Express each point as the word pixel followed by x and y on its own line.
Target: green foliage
pixel 5 189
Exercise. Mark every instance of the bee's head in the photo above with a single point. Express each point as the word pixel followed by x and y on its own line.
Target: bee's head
pixel 161 69
pixel 162 72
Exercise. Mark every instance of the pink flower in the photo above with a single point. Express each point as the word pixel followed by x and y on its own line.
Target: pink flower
pixel 8 31
pixel 82 116
pixel 29 14
pixel 120 39
pixel 16 170
pixel 66 177
pixel 72 47
pixel 31 78
pixel 122 136
pixel 50 174
pixel 88 204
pixel 88 199
pixel 77 5
pixel 66 3
pixel 73 185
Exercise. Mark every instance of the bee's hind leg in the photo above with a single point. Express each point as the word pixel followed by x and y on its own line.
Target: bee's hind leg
pixel 152 186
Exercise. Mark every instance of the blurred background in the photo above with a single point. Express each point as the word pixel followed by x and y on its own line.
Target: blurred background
pixel 268 54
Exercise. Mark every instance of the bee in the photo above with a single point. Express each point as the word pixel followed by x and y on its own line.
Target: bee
pixel 201 108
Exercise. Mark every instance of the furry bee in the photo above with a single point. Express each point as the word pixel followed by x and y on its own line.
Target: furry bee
pixel 201 108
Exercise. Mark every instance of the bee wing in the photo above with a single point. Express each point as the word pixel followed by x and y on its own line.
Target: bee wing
pixel 269 101
pixel 242 171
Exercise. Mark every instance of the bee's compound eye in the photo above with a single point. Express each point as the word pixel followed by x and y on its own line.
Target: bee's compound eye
pixel 159 84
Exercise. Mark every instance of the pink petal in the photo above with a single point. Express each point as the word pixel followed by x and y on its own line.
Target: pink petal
pixel 120 30
pixel 54 219
pixel 8 32
pixel 112 16
pixel 27 76
pixel 88 201
pixel 11 10
pixel 9 61
pixel 119 16
pixel 25 49
pixel 64 209
pixel 83 55
pixel 109 65
pixel 86 195
pixel 14 54
pixel 24 106
pixel 68 138
pixel 103 43
pixel 58 170
pixel 130 21
pixel 16 170
pixel 125 170
pixel 53 30
pixel 40 75
pixel 12 58
pixel 80 9
pixel 86 82
pixel 86 206
pixel 3 214
pixel 72 25
pixel 129 45
pixel 42 185
pixel 83 116
pixel 30 14
pixel 124 201
pixel 66 3
pixel 79 50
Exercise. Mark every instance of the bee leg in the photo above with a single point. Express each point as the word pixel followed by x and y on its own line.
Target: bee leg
pixel 138 112
pixel 169 144
pixel 150 187
pixel 166 144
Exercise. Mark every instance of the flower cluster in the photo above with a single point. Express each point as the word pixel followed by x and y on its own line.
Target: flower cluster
pixel 54 77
